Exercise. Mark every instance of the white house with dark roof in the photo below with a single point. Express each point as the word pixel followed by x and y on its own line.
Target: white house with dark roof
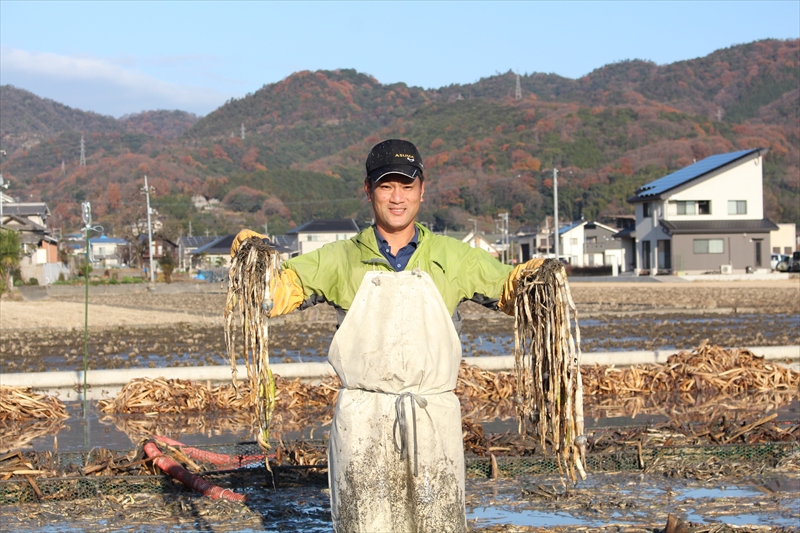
pixel 588 243
pixel 707 217
pixel 317 233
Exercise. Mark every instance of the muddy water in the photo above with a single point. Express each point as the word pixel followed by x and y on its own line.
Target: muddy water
pixel 632 503
pixel 196 345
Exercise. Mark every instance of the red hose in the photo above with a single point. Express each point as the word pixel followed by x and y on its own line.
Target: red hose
pixel 196 483
pixel 218 459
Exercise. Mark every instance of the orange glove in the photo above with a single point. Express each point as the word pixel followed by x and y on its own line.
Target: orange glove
pixel 506 303
pixel 287 292
pixel 243 236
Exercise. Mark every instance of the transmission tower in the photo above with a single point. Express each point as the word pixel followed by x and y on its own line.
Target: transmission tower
pixel 63 168
pixel 518 92
pixel 83 153
pixel 242 130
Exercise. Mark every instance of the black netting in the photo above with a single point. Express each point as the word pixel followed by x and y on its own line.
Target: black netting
pixel 65 481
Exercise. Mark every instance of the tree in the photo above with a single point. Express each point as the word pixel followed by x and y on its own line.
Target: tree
pixel 167 264
pixel 9 257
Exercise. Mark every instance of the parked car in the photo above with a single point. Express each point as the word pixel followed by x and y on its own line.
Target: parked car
pixel 780 262
pixel 776 259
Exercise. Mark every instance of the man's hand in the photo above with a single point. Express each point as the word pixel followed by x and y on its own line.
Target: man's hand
pixel 243 236
pixel 506 303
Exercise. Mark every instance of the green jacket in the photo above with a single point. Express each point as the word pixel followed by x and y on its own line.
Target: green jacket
pixel 334 272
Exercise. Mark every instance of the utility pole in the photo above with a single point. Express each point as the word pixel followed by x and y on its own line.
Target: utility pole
pixel 3 185
pixel 146 190
pixel 83 153
pixel 555 211
pixel 474 226
pixel 547 232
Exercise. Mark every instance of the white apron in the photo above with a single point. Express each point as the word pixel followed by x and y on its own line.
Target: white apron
pixel 397 354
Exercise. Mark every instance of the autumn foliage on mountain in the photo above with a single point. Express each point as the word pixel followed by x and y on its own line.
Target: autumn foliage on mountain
pixel 294 150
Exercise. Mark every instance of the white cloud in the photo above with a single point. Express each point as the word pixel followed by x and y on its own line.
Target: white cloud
pixel 100 85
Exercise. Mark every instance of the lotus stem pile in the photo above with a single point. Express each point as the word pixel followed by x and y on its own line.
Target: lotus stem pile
pixel 253 272
pixel 549 394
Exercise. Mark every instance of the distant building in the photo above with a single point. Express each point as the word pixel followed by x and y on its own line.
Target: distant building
pixel 201 203
pixel 707 217
pixel 584 243
pixel 38 246
pixel 214 254
pixel 784 239
pixel 318 233
pixel 108 251
pixel 478 240
pixel 188 244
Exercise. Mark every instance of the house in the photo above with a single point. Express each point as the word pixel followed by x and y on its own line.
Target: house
pixel 588 243
pixel 707 217
pixel 317 233
pixel 109 251
pixel 783 240
pixel 161 247
pixel 478 240
pixel 214 254
pixel 534 241
pixel 188 244
pixel 38 246
pixel 201 203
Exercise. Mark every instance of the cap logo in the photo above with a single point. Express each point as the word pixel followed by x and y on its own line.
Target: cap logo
pixel 407 156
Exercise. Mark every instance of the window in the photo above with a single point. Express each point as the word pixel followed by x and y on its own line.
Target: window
pixel 591 240
pixel 737 207
pixel 647 210
pixel 709 246
pixel 692 207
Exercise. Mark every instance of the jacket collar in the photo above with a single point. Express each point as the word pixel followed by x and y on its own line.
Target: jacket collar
pixel 368 244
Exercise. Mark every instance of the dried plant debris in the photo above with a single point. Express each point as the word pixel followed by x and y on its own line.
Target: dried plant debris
pixel 705 369
pixel 22 403
pixel 549 390
pixel 253 274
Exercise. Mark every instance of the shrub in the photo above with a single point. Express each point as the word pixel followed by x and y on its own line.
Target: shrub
pixel 33 281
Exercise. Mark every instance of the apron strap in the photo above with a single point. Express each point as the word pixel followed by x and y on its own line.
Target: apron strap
pixel 400 421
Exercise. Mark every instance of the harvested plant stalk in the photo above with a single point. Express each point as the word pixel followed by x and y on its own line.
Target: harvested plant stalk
pixel 549 398
pixel 253 272
pixel 23 403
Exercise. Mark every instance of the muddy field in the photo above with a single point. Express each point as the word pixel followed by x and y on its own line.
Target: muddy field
pixel 144 329
pixel 150 329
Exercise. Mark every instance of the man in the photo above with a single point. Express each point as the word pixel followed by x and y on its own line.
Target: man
pixel 396 457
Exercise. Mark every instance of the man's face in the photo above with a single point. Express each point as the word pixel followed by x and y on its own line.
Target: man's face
pixel 395 201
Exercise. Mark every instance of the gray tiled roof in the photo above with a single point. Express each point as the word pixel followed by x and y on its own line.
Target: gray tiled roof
pixel 719 226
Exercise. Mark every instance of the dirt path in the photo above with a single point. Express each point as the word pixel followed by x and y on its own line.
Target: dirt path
pixel 69 315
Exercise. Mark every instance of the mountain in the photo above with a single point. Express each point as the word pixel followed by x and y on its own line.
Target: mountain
pixel 294 150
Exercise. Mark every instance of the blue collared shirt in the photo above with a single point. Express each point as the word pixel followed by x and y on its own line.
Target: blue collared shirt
pixel 399 260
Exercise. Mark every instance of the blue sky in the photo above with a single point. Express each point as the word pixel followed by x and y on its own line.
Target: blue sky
pixel 125 57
